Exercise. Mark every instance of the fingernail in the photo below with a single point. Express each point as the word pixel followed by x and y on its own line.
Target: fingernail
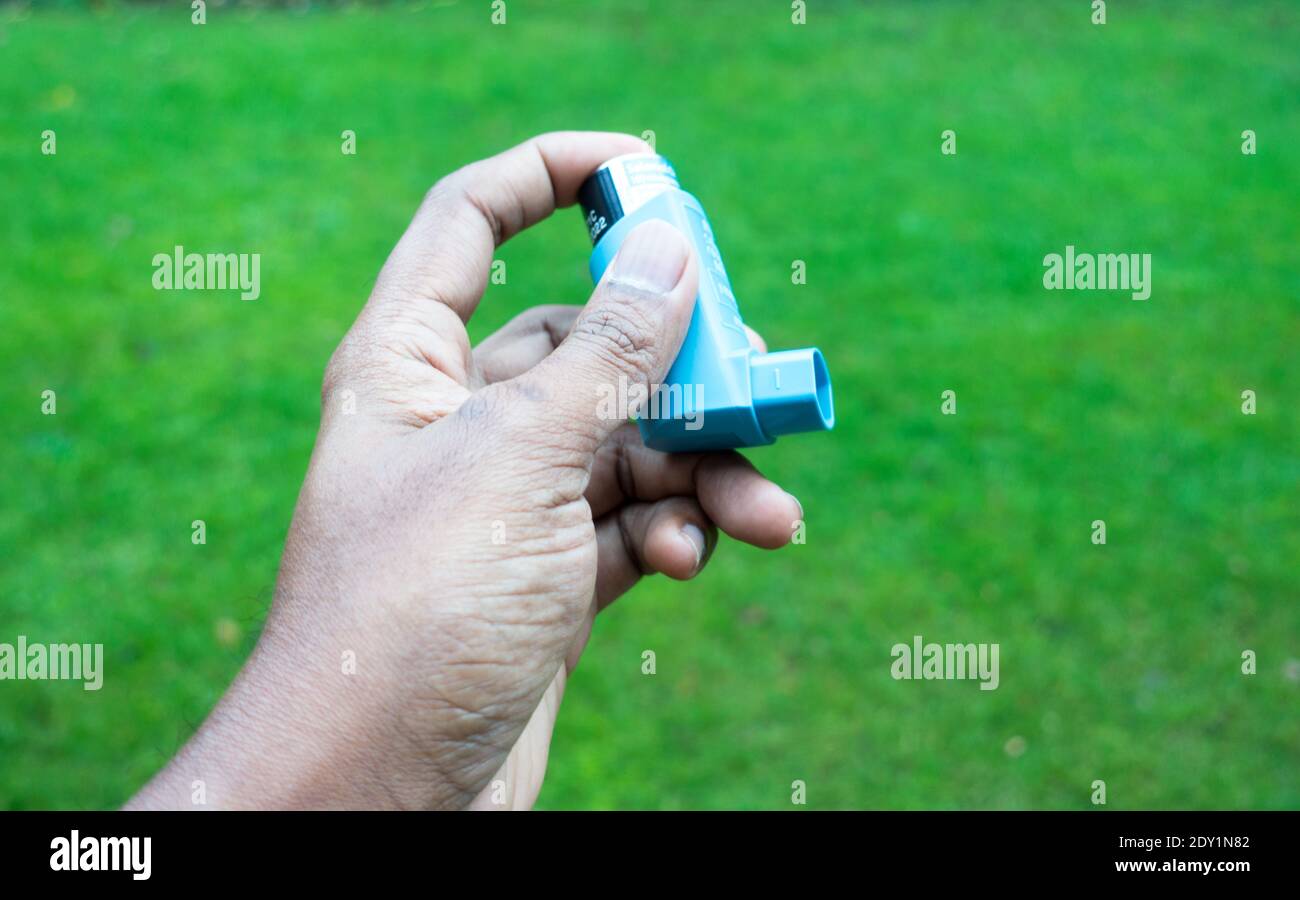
pixel 653 257
pixel 695 537
pixel 796 503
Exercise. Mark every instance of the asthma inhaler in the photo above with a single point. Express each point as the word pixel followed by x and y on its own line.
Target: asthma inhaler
pixel 720 392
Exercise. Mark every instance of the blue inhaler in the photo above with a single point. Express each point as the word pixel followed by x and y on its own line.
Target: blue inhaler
pixel 720 392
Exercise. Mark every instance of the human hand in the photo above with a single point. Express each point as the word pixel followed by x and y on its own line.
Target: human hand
pixel 459 530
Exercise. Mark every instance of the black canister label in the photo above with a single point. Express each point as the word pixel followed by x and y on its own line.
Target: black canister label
pixel 621 186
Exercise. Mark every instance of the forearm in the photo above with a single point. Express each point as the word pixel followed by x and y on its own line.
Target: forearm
pixel 289 734
pixel 267 744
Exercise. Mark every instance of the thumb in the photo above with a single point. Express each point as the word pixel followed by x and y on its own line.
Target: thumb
pixel 627 335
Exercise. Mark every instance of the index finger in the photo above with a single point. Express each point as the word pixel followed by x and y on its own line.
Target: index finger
pixel 445 255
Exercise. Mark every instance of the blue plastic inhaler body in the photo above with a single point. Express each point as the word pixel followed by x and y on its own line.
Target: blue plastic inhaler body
pixel 720 393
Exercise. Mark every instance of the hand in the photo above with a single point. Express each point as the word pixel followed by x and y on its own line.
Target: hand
pixel 459 530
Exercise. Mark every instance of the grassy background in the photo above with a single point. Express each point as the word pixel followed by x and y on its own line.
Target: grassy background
pixel 1119 662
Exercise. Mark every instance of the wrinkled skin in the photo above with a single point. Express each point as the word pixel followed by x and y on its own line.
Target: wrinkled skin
pixel 465 515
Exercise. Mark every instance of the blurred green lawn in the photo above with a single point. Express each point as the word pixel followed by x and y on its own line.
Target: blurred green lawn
pixel 821 143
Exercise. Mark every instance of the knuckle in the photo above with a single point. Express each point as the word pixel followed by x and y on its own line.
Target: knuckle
pixel 338 369
pixel 444 187
pixel 472 187
pixel 429 332
pixel 357 364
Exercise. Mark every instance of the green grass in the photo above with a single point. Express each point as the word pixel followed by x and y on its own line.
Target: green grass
pixel 1118 662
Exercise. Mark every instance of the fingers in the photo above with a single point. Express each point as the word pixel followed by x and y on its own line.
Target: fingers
pixel 673 536
pixel 627 336
pixel 445 255
pixel 523 342
pixel 730 490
